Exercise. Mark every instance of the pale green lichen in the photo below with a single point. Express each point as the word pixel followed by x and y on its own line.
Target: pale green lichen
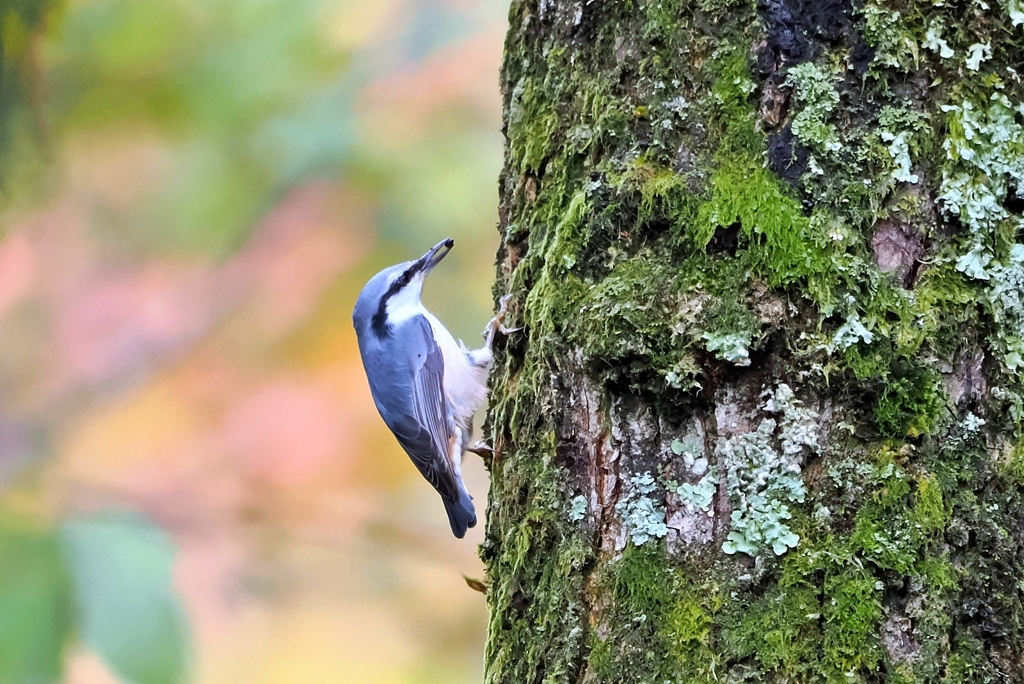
pixel 884 30
pixel 815 91
pixel 984 155
pixel 978 53
pixel 898 127
pixel 1015 9
pixel 642 517
pixel 975 263
pixel 578 508
pixel 731 347
pixel 1013 401
pixel 689 448
pixel 899 150
pixel 683 375
pixel 1006 294
pixel 972 423
pixel 934 41
pixel 909 404
pixel 762 480
pixel 799 424
pixel 850 333
pixel 985 158
pixel 698 497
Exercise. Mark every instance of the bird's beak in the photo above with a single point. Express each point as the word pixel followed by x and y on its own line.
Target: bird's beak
pixel 434 256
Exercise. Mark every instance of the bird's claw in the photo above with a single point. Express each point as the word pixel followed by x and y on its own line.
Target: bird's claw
pixel 496 324
pixel 503 303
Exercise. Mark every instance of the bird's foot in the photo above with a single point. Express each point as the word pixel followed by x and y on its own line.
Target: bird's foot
pixel 481 449
pixel 497 323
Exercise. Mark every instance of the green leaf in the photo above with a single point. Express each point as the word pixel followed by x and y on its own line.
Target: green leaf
pixel 34 607
pixel 128 612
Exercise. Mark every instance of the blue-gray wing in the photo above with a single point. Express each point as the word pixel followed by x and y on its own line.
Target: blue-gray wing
pixel 427 434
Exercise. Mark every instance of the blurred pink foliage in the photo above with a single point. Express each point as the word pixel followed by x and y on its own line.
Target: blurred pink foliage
pixel 18 265
pixel 466 72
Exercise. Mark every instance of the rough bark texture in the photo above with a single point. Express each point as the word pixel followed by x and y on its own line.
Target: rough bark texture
pixel 763 421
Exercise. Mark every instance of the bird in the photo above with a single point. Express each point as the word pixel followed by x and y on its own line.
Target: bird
pixel 425 385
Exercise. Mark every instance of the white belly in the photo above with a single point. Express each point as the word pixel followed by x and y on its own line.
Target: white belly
pixel 465 378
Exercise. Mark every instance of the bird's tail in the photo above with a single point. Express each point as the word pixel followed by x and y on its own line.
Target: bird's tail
pixel 461 514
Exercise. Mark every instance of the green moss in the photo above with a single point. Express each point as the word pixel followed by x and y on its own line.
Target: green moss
pixel 968 663
pixel 904 517
pixel 661 622
pixel 643 583
pixel 940 576
pixel 730 95
pixel 929 512
pixel 1013 464
pixel 851 614
pixel 865 363
pixel 601 658
pixel 665 194
pixel 779 631
pixel 691 618
pixel 909 403
pixel 779 245
pixel 554 250
pixel 533 124
pixel 536 571
pixel 648 314
pixel 690 629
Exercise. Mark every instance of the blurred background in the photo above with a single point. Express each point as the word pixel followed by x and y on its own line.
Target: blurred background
pixel 194 484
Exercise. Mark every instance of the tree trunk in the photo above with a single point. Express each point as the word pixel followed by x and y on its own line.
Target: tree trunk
pixel 763 420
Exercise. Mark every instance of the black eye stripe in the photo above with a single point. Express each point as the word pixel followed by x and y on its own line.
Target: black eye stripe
pixel 380 319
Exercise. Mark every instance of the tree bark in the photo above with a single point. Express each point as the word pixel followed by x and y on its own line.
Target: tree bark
pixel 763 420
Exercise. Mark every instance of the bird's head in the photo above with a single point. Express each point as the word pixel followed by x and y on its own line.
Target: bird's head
pixel 395 291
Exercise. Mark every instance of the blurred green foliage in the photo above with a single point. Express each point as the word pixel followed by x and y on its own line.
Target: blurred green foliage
pixel 248 99
pixel 35 621
pixel 128 611
pixel 116 572
pixel 22 25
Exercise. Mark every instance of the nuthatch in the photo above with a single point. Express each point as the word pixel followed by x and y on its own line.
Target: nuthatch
pixel 426 385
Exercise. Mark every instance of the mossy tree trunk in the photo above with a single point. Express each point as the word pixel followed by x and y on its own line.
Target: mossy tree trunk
pixel 763 421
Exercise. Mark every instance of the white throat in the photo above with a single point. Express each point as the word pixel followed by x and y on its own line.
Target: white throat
pixel 406 303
